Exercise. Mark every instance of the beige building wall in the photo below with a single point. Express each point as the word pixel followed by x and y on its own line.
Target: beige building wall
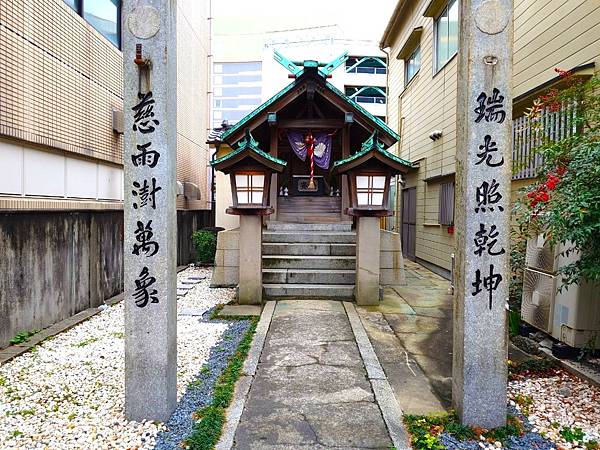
pixel 426 104
pixel 555 33
pixel 193 98
pixel 548 34
pixel 60 81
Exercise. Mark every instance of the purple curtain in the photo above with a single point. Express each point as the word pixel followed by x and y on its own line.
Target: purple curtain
pixel 322 155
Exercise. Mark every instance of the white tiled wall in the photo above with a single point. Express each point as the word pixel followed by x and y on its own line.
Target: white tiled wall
pixel 30 172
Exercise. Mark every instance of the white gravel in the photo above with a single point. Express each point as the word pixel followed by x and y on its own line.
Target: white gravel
pixel 68 392
pixel 561 400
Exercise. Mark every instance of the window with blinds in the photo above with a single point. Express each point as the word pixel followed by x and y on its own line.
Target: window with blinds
pixel 446 215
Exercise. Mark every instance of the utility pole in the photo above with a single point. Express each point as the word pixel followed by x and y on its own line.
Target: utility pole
pixel 149 106
pixel 483 175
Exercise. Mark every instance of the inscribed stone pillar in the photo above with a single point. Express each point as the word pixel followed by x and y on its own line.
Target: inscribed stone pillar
pixel 149 105
pixel 483 175
pixel 368 246
pixel 250 285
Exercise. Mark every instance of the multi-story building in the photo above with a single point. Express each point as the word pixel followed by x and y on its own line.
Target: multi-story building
pixel 61 153
pixel 243 79
pixel 421 40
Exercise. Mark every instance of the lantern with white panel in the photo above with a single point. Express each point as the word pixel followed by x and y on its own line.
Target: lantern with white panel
pixel 250 171
pixel 369 173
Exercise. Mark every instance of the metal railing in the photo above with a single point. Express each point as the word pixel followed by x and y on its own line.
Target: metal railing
pixel 554 124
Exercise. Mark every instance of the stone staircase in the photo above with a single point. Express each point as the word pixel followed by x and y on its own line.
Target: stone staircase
pixel 309 260
pixel 309 209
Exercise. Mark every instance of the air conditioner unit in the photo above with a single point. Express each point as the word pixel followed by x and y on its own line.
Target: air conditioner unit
pixel 541 256
pixel 570 315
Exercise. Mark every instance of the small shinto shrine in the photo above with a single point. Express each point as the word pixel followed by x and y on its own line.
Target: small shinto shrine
pixel 312 161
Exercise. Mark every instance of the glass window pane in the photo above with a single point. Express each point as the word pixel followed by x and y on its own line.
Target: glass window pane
pixel 377 199
pixel 441 39
pixel 363 198
pixel 241 181
pixel 243 196
pixel 453 29
pixel 103 16
pixel 258 181
pixel 379 182
pixel 257 197
pixel 362 182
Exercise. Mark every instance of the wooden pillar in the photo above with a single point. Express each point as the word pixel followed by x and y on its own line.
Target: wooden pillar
pixel 273 150
pixel 345 153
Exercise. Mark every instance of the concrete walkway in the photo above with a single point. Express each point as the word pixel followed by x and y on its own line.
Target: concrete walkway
pixel 311 389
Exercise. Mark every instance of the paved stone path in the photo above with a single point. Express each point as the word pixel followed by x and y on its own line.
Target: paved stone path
pixel 311 389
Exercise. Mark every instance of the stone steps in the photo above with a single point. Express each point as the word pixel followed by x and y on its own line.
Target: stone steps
pixel 308 262
pixel 311 291
pixel 314 249
pixel 292 236
pixel 300 227
pixel 309 276
pixel 310 217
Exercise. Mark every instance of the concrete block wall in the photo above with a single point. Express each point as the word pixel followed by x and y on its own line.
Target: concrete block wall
pixel 56 264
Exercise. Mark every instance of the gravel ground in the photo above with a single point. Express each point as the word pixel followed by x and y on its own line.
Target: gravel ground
pixel 68 392
pixel 546 405
pixel 560 400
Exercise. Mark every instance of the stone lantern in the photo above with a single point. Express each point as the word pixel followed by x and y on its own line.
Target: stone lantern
pixel 369 173
pixel 249 169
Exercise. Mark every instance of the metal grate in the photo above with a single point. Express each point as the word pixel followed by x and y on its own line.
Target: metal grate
pixel 538 299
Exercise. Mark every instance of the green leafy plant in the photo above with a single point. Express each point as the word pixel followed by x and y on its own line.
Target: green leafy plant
pixel 564 201
pixel 22 336
pixel 205 243
pixel 572 434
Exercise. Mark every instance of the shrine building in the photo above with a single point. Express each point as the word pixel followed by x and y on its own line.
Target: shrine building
pixel 312 163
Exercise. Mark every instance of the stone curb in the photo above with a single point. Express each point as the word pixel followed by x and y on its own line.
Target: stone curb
pixel 384 396
pixel 574 368
pixel 251 363
pixel 242 388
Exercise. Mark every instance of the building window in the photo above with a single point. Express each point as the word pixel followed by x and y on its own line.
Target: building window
pixel 446 34
pixel 249 188
pixel 366 64
pixel 370 190
pixel 367 94
pixel 446 215
pixel 412 65
pixel 103 15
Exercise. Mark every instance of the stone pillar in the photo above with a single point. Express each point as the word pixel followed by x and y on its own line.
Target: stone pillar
pixel 368 247
pixel 483 176
pixel 250 286
pixel 149 105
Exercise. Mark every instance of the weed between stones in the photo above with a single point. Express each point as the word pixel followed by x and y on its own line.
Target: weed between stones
pixel 426 431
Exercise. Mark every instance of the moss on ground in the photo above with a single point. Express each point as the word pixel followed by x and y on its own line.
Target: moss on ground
pixel 210 419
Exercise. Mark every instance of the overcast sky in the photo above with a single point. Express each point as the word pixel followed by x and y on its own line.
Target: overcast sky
pixel 359 19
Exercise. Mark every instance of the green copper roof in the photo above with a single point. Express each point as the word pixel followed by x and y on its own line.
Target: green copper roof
pixel 355 105
pixel 373 144
pixel 380 123
pixel 248 143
